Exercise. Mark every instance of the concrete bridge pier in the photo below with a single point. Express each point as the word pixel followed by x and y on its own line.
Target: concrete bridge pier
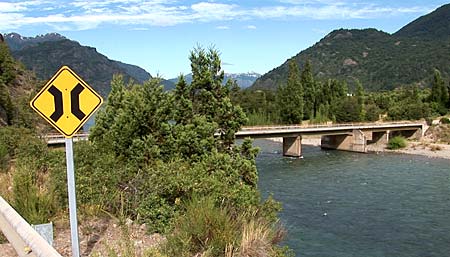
pixel 355 141
pixel 292 146
pixel 377 140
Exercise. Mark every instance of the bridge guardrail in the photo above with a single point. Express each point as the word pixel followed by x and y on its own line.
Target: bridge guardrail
pixel 328 125
pixel 25 240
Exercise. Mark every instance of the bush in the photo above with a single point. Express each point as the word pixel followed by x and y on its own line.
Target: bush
pixel 445 120
pixel 397 142
pixel 30 197
pixel 207 229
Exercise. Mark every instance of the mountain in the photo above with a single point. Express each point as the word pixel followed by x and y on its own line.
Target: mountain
pixel 17 42
pixel 435 25
pixel 244 80
pixel 45 54
pixel 380 61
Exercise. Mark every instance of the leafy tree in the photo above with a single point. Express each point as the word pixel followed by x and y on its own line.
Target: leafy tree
pixel 372 112
pixel 290 97
pixel 348 110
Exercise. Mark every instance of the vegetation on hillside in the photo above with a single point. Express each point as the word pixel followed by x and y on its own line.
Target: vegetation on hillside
pixel 16 85
pixel 307 97
pixel 378 60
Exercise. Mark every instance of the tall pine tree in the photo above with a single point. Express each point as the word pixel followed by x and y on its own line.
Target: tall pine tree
pixel 290 97
pixel 309 87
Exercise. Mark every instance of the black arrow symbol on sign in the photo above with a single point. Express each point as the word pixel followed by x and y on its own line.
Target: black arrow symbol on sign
pixel 57 98
pixel 75 101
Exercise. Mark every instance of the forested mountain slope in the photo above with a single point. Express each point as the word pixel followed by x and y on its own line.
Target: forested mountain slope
pixel 45 54
pixel 377 59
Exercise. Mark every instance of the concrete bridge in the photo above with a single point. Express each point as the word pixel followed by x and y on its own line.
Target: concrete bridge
pixel 361 137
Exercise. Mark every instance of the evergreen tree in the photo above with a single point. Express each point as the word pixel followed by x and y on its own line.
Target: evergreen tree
pixel 448 90
pixel 444 96
pixel 183 104
pixel 7 63
pixel 439 93
pixel 436 87
pixel 210 98
pixel 290 97
pixel 309 87
pixel 360 99
pixel 6 103
pixel 105 119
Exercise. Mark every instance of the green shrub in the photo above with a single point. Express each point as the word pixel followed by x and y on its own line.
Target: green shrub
pixel 397 142
pixel 445 120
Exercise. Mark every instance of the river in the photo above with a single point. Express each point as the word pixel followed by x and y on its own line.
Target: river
pixel 344 204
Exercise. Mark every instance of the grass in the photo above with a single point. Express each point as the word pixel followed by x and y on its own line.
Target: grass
pixel 31 198
pixel 209 230
pixel 5 187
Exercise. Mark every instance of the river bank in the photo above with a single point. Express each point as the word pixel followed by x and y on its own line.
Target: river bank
pixel 424 147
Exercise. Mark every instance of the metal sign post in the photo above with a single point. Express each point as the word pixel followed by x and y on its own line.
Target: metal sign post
pixel 72 198
pixel 67 102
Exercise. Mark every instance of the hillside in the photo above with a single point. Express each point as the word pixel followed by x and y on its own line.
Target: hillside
pixel 435 25
pixel 45 54
pixel 379 60
pixel 16 87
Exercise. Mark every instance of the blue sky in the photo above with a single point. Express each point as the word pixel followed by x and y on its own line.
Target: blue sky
pixel 158 35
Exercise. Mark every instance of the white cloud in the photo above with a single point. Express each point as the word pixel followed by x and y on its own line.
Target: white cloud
pixel 223 27
pixel 205 11
pixel 251 27
pixel 84 14
pixel 140 29
pixel 6 7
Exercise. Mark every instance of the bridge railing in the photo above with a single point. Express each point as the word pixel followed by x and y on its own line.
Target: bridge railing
pixel 60 139
pixel 55 135
pixel 329 125
pixel 25 240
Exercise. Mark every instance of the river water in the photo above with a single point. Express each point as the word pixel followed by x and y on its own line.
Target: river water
pixel 347 204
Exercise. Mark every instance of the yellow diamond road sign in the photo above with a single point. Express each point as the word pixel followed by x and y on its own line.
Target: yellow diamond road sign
pixel 66 101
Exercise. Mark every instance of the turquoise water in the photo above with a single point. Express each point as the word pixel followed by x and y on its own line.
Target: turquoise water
pixel 349 204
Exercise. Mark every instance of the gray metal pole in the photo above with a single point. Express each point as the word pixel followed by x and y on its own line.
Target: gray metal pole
pixel 72 198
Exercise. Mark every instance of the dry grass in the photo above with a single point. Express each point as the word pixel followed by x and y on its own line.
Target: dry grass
pixel 435 148
pixel 256 240
pixel 6 189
